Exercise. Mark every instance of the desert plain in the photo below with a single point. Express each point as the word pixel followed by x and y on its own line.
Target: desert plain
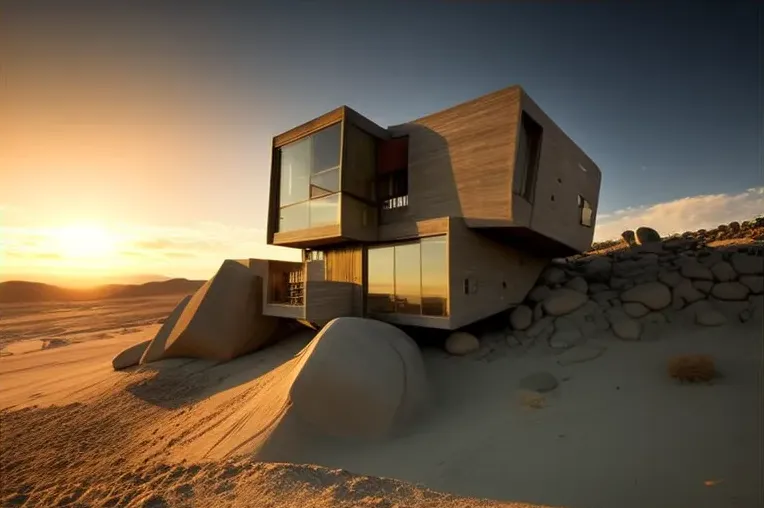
pixel 612 428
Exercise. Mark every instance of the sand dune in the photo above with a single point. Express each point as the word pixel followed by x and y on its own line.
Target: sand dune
pixel 129 436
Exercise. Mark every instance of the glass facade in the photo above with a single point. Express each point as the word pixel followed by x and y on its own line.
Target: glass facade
pixel 310 181
pixel 409 278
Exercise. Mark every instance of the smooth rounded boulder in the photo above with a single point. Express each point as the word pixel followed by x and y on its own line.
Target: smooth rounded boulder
pixel 359 378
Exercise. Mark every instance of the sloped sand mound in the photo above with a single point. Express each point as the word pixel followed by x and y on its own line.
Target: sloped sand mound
pixel 357 379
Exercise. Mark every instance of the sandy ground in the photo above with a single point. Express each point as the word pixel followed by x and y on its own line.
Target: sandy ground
pixel 617 432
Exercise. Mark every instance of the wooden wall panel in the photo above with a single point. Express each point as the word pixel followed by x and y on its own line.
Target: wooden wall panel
pixel 560 180
pixel 499 277
pixel 461 160
pixel 347 265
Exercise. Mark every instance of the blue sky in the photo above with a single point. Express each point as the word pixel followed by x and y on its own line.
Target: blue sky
pixel 159 114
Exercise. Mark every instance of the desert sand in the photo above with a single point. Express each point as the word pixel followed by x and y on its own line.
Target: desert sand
pixel 611 429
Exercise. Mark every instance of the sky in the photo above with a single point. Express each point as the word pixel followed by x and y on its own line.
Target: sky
pixel 143 128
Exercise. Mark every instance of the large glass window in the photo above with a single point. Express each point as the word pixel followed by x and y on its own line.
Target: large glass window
pixel 381 277
pixel 409 278
pixel 310 179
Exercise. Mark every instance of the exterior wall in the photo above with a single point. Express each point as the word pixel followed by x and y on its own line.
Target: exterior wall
pixel 326 300
pixel 345 267
pixel 461 160
pixel 407 229
pixel 499 277
pixel 559 175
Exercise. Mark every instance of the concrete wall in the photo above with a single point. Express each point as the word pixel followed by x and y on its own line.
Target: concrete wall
pixel 560 180
pixel 499 277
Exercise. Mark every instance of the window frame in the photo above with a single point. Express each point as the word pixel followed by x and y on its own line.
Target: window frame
pixel 585 205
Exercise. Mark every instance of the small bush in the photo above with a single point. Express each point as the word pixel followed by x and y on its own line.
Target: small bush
pixel 692 368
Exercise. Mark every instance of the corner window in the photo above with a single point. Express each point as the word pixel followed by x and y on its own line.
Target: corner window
pixel 586 214
pixel 314 255
pixel 310 180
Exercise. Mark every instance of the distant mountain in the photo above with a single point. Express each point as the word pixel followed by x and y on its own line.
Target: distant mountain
pixel 32 292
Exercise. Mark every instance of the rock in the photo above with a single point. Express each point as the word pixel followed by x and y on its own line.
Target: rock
pixel 707 316
pixel 629 237
pixel 540 382
pixel 605 296
pixel 626 328
pixel 753 282
pixel 580 354
pixel 745 264
pixel 723 272
pixel 653 295
pixel 359 378
pixel 130 356
pixel 598 287
pixel 539 294
pixel 645 235
pixel 577 284
pixel 462 343
pixel 538 311
pixel 553 275
pixel 655 318
pixel 537 328
pixel 635 309
pixel 709 258
pixel 692 269
pixel 670 278
pixel 521 317
pixel 734 226
pixel 685 293
pixel 730 291
pixel 618 283
pixel 704 286
pixel 561 301
pixel 565 339
pixel 598 269
pixel 745 315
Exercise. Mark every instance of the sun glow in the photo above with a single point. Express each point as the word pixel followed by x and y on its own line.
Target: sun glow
pixel 84 242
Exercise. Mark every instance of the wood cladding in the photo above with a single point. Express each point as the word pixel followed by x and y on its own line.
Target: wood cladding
pixel 310 127
pixel 461 160
pixel 347 265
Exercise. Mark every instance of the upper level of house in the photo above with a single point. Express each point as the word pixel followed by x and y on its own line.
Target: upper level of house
pixel 498 161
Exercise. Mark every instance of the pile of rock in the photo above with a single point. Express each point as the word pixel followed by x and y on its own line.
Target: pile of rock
pixel 750 229
pixel 627 291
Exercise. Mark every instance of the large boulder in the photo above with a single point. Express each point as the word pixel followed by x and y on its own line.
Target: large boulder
pixel 223 319
pixel 653 295
pixel 692 269
pixel 155 350
pixel 562 301
pixel 359 378
pixel 130 356
pixel 647 235
pixel 723 272
pixel 754 282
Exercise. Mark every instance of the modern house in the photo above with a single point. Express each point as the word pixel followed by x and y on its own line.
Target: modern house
pixel 437 222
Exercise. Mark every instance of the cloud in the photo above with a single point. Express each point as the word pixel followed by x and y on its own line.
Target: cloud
pixel 705 211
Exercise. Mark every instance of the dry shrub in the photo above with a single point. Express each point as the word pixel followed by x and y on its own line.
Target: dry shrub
pixel 692 368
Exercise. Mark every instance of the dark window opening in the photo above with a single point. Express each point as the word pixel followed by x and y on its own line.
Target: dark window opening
pixel 528 154
pixel 466 286
pixel 393 190
pixel 586 213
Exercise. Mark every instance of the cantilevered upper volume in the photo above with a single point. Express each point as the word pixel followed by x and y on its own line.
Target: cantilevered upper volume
pixel 498 162
pixel 439 221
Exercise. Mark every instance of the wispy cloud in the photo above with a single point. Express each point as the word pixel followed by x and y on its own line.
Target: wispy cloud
pixel 687 214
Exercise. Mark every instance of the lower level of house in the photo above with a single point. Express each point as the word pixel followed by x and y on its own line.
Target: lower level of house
pixel 445 275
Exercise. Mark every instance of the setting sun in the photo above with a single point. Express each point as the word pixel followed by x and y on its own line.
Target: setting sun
pixel 81 242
